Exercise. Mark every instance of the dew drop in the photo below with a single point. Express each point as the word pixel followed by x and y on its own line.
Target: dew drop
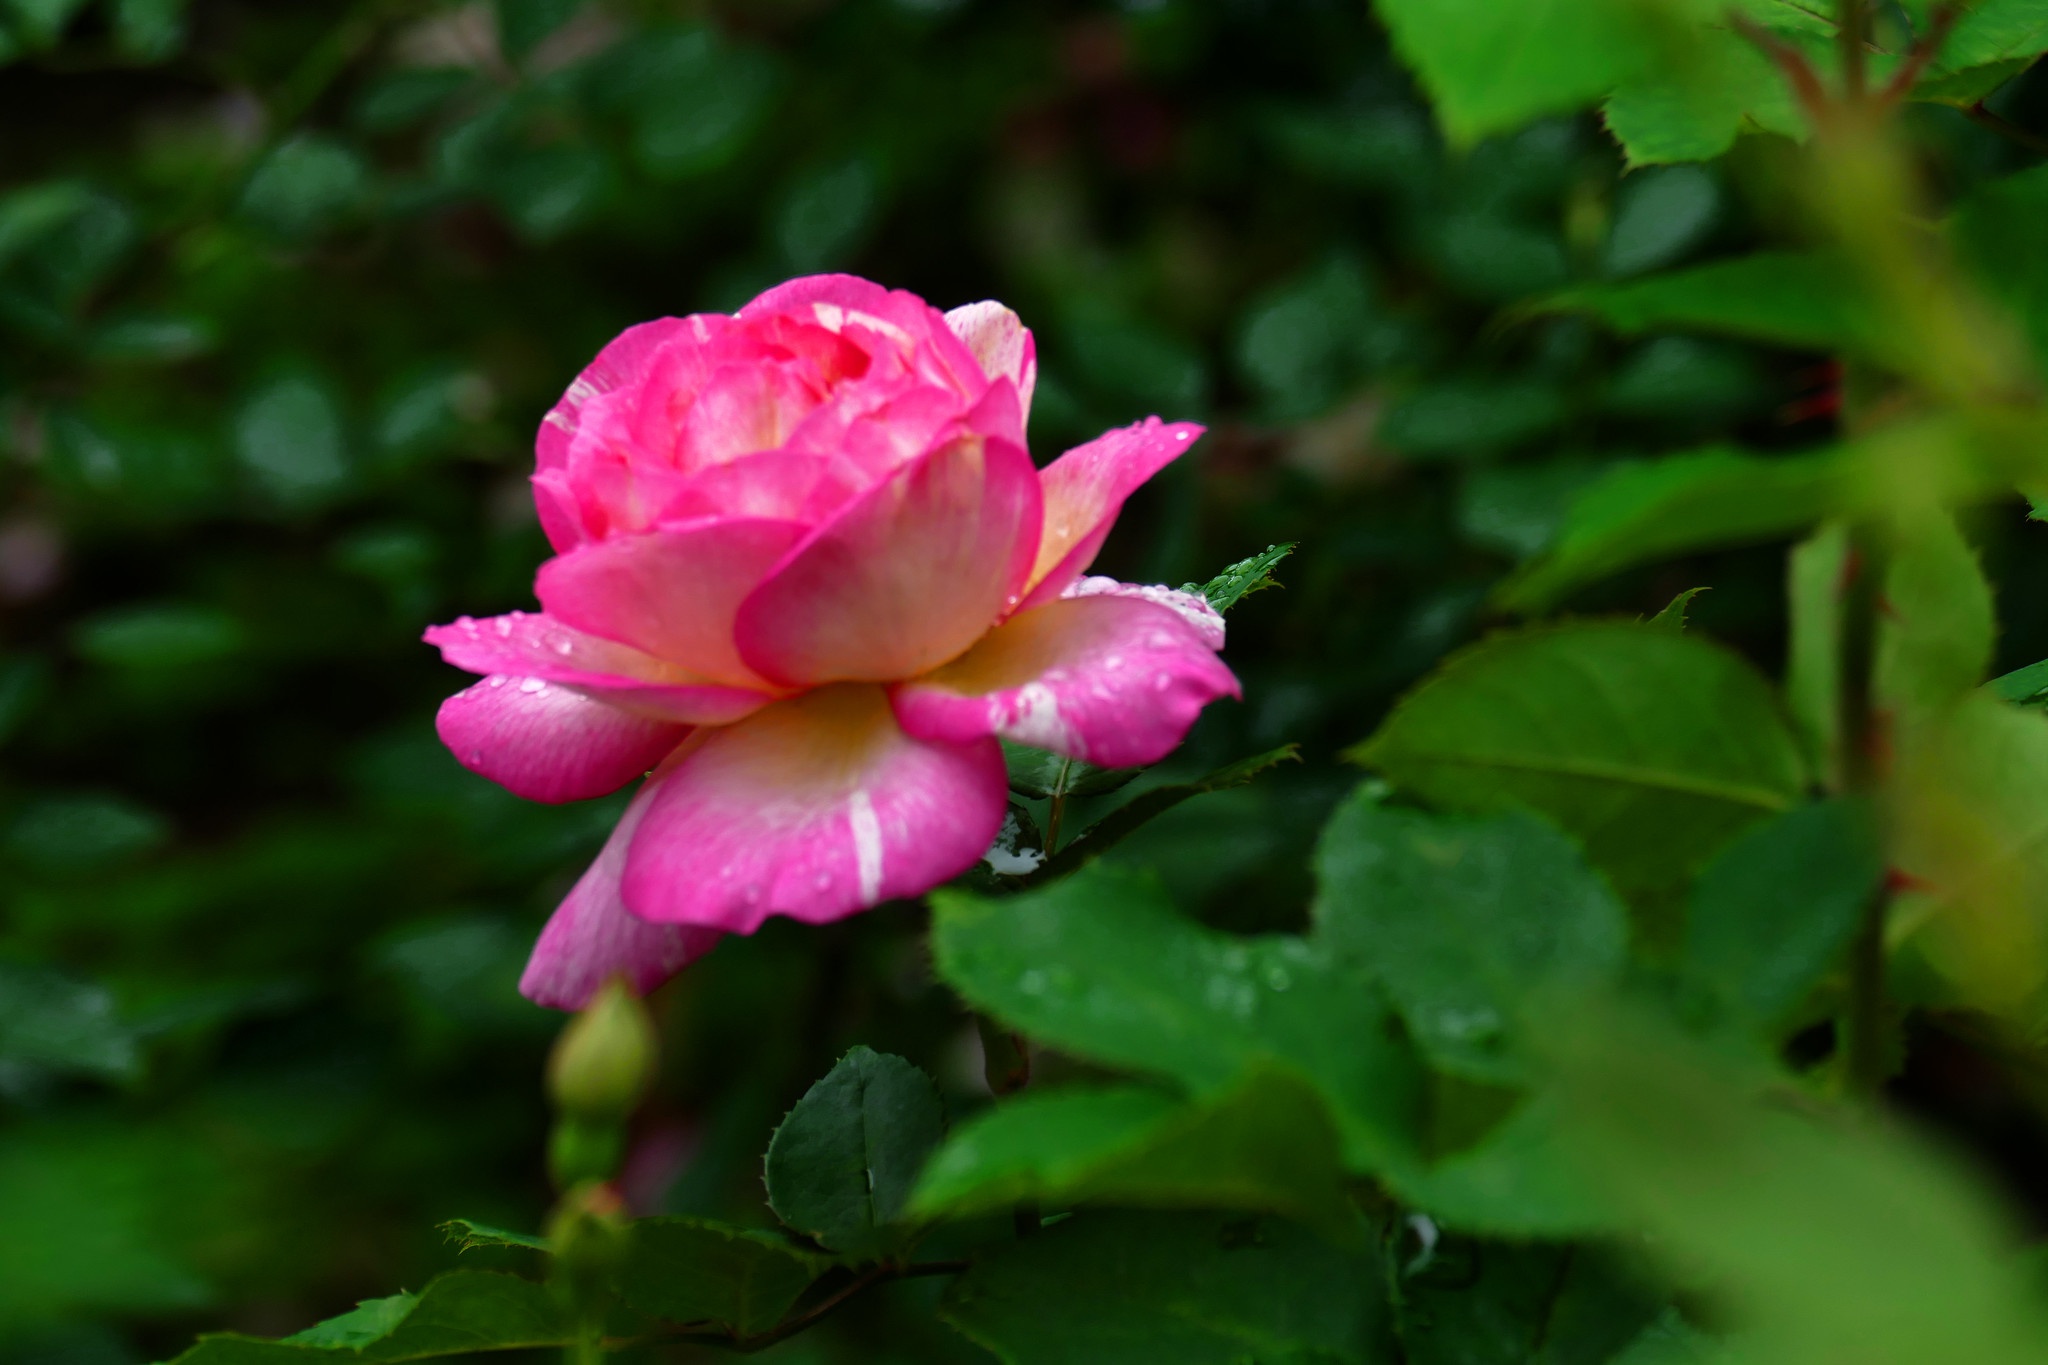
pixel 496 680
pixel 532 685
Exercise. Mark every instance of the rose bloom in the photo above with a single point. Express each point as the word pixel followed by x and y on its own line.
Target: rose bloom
pixel 805 576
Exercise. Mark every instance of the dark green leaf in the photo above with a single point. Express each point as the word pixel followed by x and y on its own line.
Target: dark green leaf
pixel 1504 1303
pixel 1469 419
pixel 1243 578
pixel 1517 1180
pixel 1265 1145
pixel 1652 748
pixel 1636 513
pixel 1459 918
pixel 1784 298
pixel 1108 1288
pixel 1151 803
pixel 1774 912
pixel 843 1161
pixel 1672 617
pixel 1037 773
pixel 2023 686
pixel 466 1233
pixel 463 1312
pixel 52 1023
pixel 1101 966
pixel 717 1278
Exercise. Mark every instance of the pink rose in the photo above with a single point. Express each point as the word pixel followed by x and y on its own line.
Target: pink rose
pixel 807 574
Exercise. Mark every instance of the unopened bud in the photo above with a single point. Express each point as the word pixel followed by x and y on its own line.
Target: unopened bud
pixel 604 1060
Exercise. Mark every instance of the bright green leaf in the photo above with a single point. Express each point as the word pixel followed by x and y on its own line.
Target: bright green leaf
pixel 1652 748
pixel 463 1312
pixel 1266 1145
pixel 1243 578
pixel 843 1161
pixel 467 1233
pixel 1935 634
pixel 1814 576
pixel 1672 617
pixel 1516 1181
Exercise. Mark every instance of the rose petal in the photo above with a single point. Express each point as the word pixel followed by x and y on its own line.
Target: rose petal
pixel 814 808
pixel 532 645
pixel 1085 489
pixel 1115 681
pixel 548 743
pixel 1000 343
pixel 592 937
pixel 907 576
pixel 1191 607
pixel 670 593
pixel 849 304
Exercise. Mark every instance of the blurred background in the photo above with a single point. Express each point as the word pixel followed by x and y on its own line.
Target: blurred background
pixel 284 290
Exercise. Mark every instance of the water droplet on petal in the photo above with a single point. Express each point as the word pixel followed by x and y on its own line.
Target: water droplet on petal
pixel 532 685
pixel 496 680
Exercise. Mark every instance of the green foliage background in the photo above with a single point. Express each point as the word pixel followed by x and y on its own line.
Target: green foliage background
pixel 284 291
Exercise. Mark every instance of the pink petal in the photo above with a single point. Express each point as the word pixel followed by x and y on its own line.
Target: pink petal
pixel 547 743
pixel 669 593
pixel 1191 607
pixel 1113 680
pixel 1001 343
pixel 1085 489
pixel 849 304
pixel 907 576
pixel 592 937
pixel 814 808
pixel 531 645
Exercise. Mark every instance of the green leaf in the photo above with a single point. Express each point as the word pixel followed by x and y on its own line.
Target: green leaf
pixel 1266 1145
pixel 1695 114
pixel 1490 68
pixel 712 1277
pixel 1636 513
pixel 1515 1181
pixel 1100 965
pixel 1993 31
pixel 1507 1303
pixel 1471 418
pixel 1651 748
pixel 1997 233
pixel 1152 803
pixel 2022 686
pixel 843 1161
pixel 1776 910
pixel 1038 773
pixel 467 1234
pixel 1243 578
pixel 50 1022
pixel 1106 1288
pixel 1816 1240
pixel 463 1312
pixel 1935 633
pixel 1459 918
pixel 1672 617
pixel 1785 298
pixel 1815 574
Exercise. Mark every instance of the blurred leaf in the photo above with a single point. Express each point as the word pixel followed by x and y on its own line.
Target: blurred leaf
pixel 1774 912
pixel 288 436
pixel 1459 919
pixel 1113 828
pixel 153 340
pixel 1137 365
pixel 1496 258
pixel 463 1312
pixel 1725 84
pixel 50 1022
pixel 1517 509
pixel 1243 578
pixel 1266 1145
pixel 1491 69
pixel 1936 633
pixel 40 22
pixel 842 1163
pixel 1783 298
pixel 694 99
pixel 83 833
pixel 1815 574
pixel 1499 1303
pixel 157 638
pixel 1468 419
pixel 24 682
pixel 1635 513
pixel 1660 216
pixel 1685 383
pixel 306 185
pixel 686 1270
pixel 1100 965
pixel 826 212
pixel 401 99
pixel 1651 747
pixel 522 24
pixel 1517 1180
pixel 1822 1240
pixel 149 30
pixel 1995 31
pixel 1195 1289
pixel 1304 345
pixel 1995 231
